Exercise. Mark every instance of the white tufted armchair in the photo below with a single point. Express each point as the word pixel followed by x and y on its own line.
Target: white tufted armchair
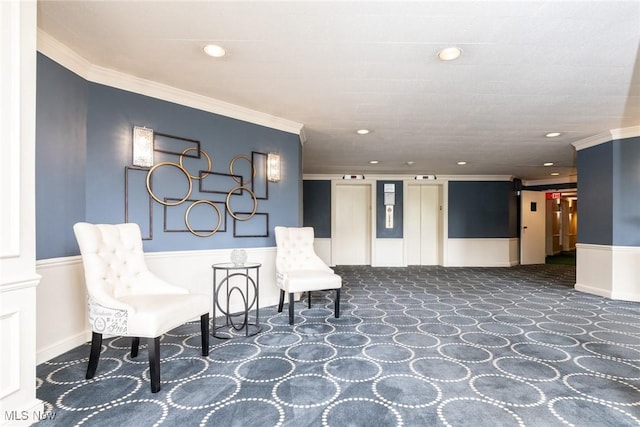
pixel 126 299
pixel 299 269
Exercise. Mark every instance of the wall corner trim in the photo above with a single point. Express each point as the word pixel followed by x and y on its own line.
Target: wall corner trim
pixel 63 55
pixel 604 137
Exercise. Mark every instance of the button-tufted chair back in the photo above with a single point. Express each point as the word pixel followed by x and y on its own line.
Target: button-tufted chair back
pixel 294 250
pixel 114 263
pixel 300 269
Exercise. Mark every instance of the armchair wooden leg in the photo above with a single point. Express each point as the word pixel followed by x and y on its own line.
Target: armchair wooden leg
pixel 135 344
pixel 204 330
pixel 337 306
pixel 309 297
pixel 281 303
pixel 153 345
pixel 291 295
pixel 94 356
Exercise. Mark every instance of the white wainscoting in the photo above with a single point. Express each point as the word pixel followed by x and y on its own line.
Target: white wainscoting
pixel 482 252
pixel 388 253
pixel 608 271
pixel 323 249
pixel 18 402
pixel 61 306
pixel 61 297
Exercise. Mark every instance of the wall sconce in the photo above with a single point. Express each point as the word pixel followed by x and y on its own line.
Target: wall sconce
pixel 142 146
pixel 273 167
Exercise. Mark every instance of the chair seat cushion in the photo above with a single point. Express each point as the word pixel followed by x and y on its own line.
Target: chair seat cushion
pixel 311 280
pixel 153 315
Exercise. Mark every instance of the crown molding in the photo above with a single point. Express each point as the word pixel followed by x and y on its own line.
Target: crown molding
pixel 630 132
pixel 611 135
pixel 63 55
pixel 303 135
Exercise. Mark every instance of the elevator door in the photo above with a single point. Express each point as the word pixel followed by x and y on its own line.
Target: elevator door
pixel 423 225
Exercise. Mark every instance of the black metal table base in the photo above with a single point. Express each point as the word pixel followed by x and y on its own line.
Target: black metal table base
pixel 234 323
pixel 232 332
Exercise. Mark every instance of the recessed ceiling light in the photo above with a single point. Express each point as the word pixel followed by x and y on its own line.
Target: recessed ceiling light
pixel 553 134
pixel 449 53
pixel 363 131
pixel 548 164
pixel 374 162
pixel 410 163
pixel 215 51
pixel 462 163
pixel 555 174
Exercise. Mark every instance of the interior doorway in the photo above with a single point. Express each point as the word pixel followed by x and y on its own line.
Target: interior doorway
pixel 561 227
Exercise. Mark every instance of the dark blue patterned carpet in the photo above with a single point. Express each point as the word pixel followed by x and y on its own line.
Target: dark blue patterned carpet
pixel 417 346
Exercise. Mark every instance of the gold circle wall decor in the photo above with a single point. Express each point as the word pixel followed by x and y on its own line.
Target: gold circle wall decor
pixel 186 218
pixel 253 170
pixel 183 170
pixel 186 150
pixel 255 204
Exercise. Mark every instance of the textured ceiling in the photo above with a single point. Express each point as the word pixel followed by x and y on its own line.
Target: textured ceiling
pixel 527 68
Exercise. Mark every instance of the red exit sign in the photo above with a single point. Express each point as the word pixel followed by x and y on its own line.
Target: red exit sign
pixel 554 195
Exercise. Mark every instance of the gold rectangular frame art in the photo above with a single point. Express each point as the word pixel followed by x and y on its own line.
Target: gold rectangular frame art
pixel 191 145
pixel 234 178
pixel 182 213
pixel 127 169
pixel 236 231
pixel 259 162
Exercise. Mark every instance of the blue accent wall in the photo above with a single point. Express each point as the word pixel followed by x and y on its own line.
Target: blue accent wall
pixel 626 192
pixel 92 128
pixel 595 195
pixel 61 139
pixel 482 209
pixel 381 231
pixel 317 207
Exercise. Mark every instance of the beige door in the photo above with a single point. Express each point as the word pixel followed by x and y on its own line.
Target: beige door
pixel 533 227
pixel 422 230
pixel 351 236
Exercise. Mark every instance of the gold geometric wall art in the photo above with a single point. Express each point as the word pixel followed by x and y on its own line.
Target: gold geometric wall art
pixel 234 187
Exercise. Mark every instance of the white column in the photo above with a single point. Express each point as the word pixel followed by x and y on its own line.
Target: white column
pixel 18 277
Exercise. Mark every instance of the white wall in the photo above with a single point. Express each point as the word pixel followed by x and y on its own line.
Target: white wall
pixel 62 306
pixel 18 278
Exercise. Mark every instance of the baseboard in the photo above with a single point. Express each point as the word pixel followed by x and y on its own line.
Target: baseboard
pixel 593 290
pixel 62 346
